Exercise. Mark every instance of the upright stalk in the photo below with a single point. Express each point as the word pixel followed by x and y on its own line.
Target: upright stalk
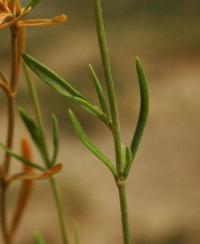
pixel 109 81
pixel 124 212
pixel 120 179
pixel 11 98
pixel 10 129
pixel 53 180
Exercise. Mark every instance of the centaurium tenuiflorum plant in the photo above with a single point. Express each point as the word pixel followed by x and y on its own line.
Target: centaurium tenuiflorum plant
pixel 13 16
pixel 108 114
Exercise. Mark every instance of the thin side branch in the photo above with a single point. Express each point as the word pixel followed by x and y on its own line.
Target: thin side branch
pixel 5 88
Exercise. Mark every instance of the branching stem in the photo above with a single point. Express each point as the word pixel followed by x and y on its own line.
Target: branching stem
pixel 115 118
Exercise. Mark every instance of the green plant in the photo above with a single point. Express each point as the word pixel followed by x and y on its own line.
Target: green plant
pixel 12 16
pixel 107 114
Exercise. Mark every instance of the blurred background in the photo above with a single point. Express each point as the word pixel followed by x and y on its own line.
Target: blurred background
pixel 164 185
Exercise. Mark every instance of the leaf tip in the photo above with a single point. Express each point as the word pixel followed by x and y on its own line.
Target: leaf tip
pixel 70 112
pixel 54 117
pixel 138 61
pixel 90 66
pixel 24 56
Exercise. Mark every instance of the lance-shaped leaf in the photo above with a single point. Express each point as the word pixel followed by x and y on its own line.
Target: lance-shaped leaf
pixel 21 159
pixel 31 4
pixel 51 78
pixel 55 133
pixel 35 132
pixel 38 238
pixel 99 90
pixel 62 86
pixel 87 142
pixel 144 107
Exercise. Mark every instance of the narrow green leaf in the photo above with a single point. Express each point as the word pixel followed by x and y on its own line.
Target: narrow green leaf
pixel 51 78
pixel 55 133
pixel 38 238
pixel 144 107
pixel 31 4
pixel 21 159
pixel 129 160
pixel 87 142
pixel 34 131
pixel 99 90
pixel 63 87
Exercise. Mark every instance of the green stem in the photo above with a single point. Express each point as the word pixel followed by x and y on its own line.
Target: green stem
pixel 53 181
pixel 124 212
pixel 115 117
pixel 109 82
pixel 57 197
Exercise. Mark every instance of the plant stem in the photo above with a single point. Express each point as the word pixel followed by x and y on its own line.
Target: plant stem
pixel 57 197
pixel 10 129
pixel 124 212
pixel 11 98
pixel 53 181
pixel 115 118
pixel 4 213
pixel 109 82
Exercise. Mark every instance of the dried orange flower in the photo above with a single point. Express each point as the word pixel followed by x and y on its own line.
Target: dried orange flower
pixel 11 13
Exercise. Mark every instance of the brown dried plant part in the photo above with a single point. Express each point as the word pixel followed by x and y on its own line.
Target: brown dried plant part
pixel 3 78
pixel 43 22
pixel 11 13
pixel 4 11
pixel 5 88
pixel 27 176
pixel 35 176
pixel 25 190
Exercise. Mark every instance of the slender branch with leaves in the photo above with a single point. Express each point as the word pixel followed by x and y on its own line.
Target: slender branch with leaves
pixel 13 16
pixel 108 114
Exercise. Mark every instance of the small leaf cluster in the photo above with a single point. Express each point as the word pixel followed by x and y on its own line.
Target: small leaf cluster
pixel 100 111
